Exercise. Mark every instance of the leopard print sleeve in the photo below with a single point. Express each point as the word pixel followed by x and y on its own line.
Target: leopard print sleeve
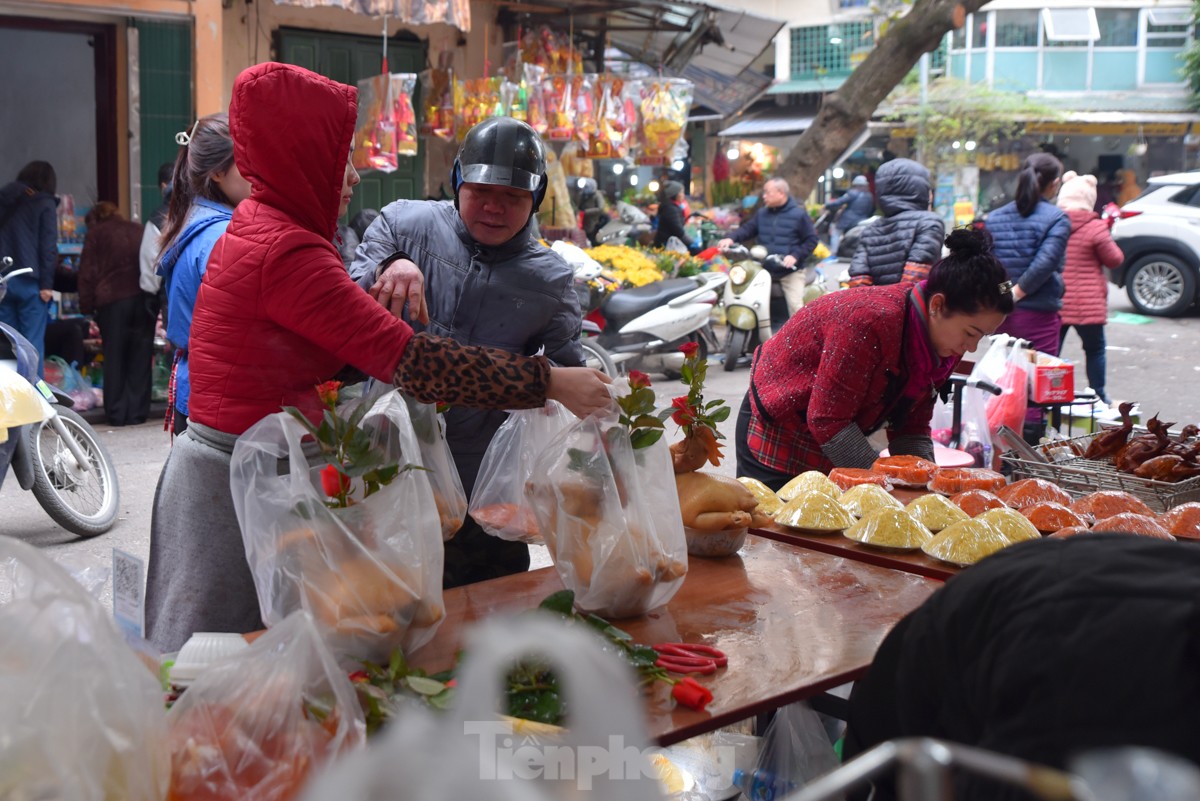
pixel 436 369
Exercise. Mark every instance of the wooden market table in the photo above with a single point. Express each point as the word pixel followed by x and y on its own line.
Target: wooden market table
pixel 909 562
pixel 914 562
pixel 794 622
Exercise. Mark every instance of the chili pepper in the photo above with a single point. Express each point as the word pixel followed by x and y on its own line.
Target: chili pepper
pixel 691 693
pixel 680 657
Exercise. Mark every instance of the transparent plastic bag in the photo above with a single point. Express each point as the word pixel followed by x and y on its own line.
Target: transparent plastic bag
pixel 498 503
pixel 76 385
pixel 1008 408
pixel 795 750
pixel 370 574
pixel 438 461
pixel 469 752
pixel 255 724
pixel 81 717
pixel 610 517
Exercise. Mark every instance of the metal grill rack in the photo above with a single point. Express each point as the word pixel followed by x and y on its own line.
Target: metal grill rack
pixel 1079 476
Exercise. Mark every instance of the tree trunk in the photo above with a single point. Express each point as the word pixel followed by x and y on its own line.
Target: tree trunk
pixel 846 112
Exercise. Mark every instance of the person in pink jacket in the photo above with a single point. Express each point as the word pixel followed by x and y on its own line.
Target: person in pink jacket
pixel 1085 299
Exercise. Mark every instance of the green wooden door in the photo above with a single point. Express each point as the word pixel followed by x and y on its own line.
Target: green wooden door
pixel 165 84
pixel 349 59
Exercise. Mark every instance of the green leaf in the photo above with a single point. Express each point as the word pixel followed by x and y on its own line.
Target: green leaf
pixel 642 655
pixel 304 421
pixel 645 438
pixel 360 411
pixel 424 686
pixel 721 414
pixel 647 421
pixel 685 374
pixel 443 699
pixel 713 403
pixel 562 602
pixel 396 665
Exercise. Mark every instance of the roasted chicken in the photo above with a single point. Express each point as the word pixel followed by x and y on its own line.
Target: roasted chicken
pixel 1168 467
pixel 1114 439
pixel 1144 447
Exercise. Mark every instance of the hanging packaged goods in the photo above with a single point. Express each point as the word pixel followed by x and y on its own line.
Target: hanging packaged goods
pixel 664 111
pixel 387 124
pixel 437 108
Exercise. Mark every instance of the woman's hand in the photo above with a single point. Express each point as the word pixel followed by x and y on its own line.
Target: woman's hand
pixel 1018 293
pixel 46 295
pixel 581 389
pixel 402 282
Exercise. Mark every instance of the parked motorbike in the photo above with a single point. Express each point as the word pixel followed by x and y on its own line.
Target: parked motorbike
pixel 631 227
pixel 642 328
pixel 50 448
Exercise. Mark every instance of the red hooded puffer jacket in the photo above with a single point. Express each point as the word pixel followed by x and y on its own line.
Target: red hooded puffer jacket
pixel 1090 248
pixel 277 313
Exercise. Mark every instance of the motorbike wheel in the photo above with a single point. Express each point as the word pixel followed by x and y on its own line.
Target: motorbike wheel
pixel 84 503
pixel 735 346
pixel 597 357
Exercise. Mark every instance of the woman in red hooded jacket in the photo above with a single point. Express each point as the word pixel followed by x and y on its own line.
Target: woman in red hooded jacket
pixel 276 315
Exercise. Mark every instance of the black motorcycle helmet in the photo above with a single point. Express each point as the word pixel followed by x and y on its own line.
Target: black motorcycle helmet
pixel 503 152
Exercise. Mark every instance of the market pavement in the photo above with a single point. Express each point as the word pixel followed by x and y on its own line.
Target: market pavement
pixel 1152 360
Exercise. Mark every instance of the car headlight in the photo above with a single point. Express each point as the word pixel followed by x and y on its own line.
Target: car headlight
pixel 737 274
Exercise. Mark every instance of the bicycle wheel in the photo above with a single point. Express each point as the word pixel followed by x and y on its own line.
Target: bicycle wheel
pixel 83 502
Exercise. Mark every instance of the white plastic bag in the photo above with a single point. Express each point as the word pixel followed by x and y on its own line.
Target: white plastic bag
pixel 81 717
pixel 498 503
pixel 254 724
pixel 471 753
pixel 610 517
pixel 370 574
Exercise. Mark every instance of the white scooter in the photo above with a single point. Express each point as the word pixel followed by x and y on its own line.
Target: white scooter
pixel 644 327
pixel 51 449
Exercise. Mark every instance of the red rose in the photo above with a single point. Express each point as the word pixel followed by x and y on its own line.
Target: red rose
pixel 691 693
pixel 328 392
pixel 638 379
pixel 683 414
pixel 690 349
pixel 333 481
pixel 359 677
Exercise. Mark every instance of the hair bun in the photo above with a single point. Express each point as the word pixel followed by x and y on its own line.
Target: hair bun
pixel 969 242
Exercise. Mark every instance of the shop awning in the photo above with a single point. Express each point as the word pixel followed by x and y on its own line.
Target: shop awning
pixel 806 86
pixel 408 12
pixel 711 46
pixel 767 124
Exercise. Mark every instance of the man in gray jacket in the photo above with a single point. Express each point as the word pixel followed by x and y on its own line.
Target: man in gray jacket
pixel 470 270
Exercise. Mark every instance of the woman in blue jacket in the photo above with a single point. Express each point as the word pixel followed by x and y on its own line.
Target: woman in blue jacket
pixel 205 189
pixel 1029 236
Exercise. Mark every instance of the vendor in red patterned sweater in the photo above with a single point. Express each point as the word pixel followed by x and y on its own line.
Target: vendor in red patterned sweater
pixel 857 360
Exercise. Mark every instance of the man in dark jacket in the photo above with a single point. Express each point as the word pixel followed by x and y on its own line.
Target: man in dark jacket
pixel 784 228
pixel 29 236
pixel 472 271
pixel 906 243
pixel 1042 651
pixel 856 205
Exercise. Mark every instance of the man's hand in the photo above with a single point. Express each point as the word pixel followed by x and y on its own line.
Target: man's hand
pixel 46 295
pixel 581 389
pixel 399 284
pixel 789 261
pixel 725 244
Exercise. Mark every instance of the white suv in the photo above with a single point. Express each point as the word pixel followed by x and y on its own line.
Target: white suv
pixel 1159 233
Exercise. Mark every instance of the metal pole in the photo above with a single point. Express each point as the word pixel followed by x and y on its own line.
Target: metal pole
pixel 924 76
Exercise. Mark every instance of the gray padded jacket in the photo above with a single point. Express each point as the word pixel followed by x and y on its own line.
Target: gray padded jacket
pixel 519 297
pixel 908 231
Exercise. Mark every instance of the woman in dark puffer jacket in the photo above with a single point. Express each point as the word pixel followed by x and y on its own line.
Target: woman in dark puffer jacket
pixel 904 245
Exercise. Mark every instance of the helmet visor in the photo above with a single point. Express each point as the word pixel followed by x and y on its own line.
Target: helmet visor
pixel 501 176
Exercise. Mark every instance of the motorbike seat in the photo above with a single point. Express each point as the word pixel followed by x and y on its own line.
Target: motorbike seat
pixel 628 304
